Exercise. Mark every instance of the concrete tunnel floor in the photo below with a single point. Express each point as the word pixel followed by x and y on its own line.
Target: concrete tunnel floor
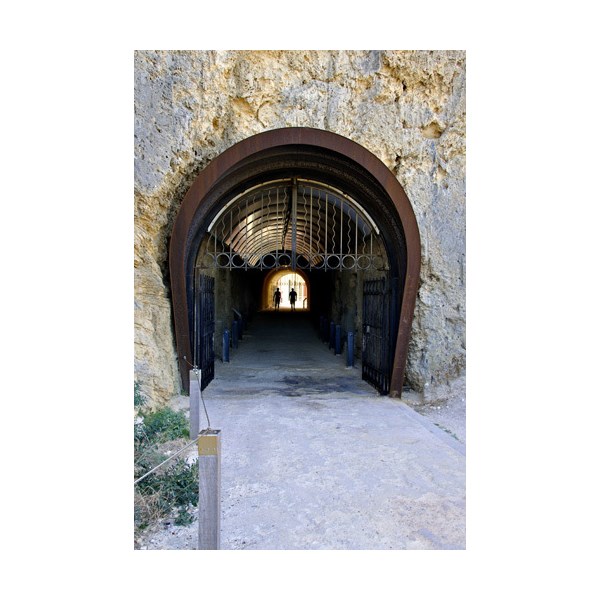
pixel 314 458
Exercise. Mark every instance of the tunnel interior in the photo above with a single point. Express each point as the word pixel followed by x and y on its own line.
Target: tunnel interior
pixel 306 202
pixel 291 232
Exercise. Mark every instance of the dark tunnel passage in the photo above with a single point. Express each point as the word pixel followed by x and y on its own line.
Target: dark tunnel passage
pixel 298 234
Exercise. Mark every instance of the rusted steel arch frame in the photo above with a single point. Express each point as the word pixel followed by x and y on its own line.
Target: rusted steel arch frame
pixel 300 151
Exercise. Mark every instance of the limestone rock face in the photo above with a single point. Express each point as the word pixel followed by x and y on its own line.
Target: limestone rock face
pixel 406 107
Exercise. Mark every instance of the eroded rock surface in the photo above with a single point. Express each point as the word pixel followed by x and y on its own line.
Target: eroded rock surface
pixel 406 107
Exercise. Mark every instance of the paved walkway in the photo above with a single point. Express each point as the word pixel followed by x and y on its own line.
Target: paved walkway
pixel 314 458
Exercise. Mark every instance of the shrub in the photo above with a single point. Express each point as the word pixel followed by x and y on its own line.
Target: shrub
pixel 139 399
pixel 164 425
pixel 172 490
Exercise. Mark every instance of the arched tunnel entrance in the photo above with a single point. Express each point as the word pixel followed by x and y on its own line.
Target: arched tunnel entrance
pixel 310 210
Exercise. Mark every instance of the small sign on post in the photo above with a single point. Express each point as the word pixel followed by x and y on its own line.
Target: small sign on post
pixel 209 488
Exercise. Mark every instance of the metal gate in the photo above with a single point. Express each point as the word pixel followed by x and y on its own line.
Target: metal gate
pixel 376 355
pixel 293 223
pixel 204 329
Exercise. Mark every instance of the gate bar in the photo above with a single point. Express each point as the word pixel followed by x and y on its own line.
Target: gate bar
pixel 294 220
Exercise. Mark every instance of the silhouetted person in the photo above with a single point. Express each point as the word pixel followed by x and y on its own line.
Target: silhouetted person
pixel 277 298
pixel 293 297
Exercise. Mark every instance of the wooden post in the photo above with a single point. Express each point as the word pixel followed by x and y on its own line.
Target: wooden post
pixel 195 404
pixel 350 350
pixel 209 488
pixel 226 345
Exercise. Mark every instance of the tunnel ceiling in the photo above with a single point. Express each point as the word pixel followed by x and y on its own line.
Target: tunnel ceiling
pixel 293 222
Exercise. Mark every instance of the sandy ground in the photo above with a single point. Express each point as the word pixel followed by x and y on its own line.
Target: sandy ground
pixel 446 407
pixel 431 516
pixel 314 458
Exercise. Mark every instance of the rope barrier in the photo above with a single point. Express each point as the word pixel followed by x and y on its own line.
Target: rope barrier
pixel 165 461
pixel 203 432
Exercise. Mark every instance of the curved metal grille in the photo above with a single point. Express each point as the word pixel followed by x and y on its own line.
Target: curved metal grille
pixel 294 223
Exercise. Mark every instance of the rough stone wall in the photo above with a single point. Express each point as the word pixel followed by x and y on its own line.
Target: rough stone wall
pixel 406 107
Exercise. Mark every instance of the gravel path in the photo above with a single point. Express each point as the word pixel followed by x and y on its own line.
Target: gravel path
pixel 446 408
pixel 366 473
pixel 314 458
